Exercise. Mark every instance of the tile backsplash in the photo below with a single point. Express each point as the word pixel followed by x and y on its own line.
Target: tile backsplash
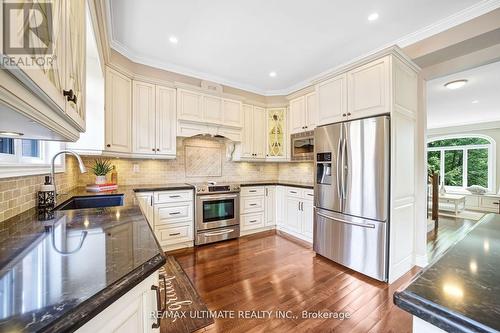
pixel 18 194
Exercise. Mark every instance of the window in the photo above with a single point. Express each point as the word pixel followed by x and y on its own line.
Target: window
pixel 463 161
pixel 21 157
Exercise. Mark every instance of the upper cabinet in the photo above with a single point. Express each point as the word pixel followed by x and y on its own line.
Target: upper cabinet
pixel 276 134
pixel 332 99
pixel 51 89
pixel 211 110
pixel 303 113
pixel 118 112
pixel 253 145
pixel 368 89
pixel 154 120
pixel 364 91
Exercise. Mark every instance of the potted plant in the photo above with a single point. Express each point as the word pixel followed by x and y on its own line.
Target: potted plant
pixel 100 169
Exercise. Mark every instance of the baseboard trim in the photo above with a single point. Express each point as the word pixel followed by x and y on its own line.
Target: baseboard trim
pixel 421 260
pixel 294 239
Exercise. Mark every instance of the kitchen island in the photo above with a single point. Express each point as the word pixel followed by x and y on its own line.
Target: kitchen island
pixel 460 291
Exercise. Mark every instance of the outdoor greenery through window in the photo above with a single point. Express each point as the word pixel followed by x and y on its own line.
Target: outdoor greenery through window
pixel 464 161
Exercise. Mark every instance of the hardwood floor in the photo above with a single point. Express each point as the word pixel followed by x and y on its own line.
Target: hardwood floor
pixel 268 272
pixel 449 231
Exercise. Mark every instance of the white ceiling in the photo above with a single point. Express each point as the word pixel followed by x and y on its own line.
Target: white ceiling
pixel 238 43
pixel 447 107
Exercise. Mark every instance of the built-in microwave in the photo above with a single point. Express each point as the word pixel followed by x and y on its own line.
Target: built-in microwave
pixel 302 145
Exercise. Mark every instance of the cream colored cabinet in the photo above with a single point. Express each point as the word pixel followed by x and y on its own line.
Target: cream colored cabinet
pixel 118 112
pixel 270 206
pixel 129 313
pixel 277 140
pixel 369 89
pixel 189 105
pixel 303 113
pixel 253 209
pixel 332 100
pixel 145 200
pixel 50 90
pixel 232 113
pixel 144 117
pixel 215 111
pixel 298 213
pixel 212 109
pixel 254 138
pixel 154 120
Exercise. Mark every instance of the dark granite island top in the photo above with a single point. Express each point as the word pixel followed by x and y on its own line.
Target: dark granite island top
pixel 58 274
pixel 460 292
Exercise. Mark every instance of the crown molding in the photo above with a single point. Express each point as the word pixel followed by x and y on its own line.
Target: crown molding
pixel 451 21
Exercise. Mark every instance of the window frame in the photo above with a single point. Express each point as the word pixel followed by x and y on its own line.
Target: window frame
pixel 17 165
pixel 491 146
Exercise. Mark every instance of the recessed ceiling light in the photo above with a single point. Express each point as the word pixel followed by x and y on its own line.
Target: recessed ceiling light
pixel 475 101
pixel 173 39
pixel 11 133
pixel 455 84
pixel 373 17
pixel 272 74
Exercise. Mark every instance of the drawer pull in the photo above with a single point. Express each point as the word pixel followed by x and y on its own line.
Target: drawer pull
pixel 311 195
pixel 252 221
pixel 218 233
pixel 293 192
pixel 174 196
pixel 174 213
pixel 253 205
pixel 176 234
pixel 252 191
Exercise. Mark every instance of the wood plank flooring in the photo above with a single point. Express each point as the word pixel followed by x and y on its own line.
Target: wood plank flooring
pixel 267 272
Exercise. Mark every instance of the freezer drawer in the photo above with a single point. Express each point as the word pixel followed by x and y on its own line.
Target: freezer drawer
pixel 217 235
pixel 356 243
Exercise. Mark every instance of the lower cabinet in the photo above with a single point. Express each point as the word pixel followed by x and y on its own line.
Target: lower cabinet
pixel 130 313
pixel 171 215
pixel 484 203
pixel 289 209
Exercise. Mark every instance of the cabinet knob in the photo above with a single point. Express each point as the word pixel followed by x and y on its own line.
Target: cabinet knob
pixel 344 114
pixel 157 149
pixel 348 113
pixel 108 145
pixel 70 95
pixel 153 149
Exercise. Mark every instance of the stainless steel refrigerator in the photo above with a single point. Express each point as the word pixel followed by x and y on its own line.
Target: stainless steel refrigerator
pixel 351 191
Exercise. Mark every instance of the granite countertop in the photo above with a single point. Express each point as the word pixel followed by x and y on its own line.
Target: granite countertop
pixel 57 274
pixel 460 291
pixel 307 185
pixel 162 187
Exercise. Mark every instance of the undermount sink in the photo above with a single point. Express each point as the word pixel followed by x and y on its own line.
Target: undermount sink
pixel 98 201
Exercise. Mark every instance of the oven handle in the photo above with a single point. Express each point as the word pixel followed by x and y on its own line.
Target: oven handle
pixel 218 233
pixel 209 197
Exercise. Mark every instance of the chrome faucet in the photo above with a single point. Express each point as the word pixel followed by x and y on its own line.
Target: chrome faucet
pixel 52 170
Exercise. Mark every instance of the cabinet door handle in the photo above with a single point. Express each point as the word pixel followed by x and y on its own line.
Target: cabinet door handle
pixel 176 234
pixel 175 213
pixel 267 193
pixel 151 200
pixel 159 307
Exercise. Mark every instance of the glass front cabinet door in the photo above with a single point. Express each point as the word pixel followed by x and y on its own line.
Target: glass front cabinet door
pixel 276 134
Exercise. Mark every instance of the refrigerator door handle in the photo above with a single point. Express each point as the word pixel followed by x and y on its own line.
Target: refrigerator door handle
pixel 345 162
pixel 340 162
pixel 364 225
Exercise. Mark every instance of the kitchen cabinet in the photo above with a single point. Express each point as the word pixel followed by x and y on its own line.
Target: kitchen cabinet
pixel 270 206
pixel 118 112
pixel 51 95
pixel 129 313
pixel 215 111
pixel 303 113
pixel 145 200
pixel 369 89
pixel 253 145
pixel 277 140
pixel 154 120
pixel 298 213
pixel 332 100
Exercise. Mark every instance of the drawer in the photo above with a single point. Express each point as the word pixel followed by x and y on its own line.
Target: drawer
pixel 252 221
pixel 251 204
pixel 252 191
pixel 308 194
pixel 173 196
pixel 167 236
pixel 294 192
pixel 488 202
pixel 170 213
